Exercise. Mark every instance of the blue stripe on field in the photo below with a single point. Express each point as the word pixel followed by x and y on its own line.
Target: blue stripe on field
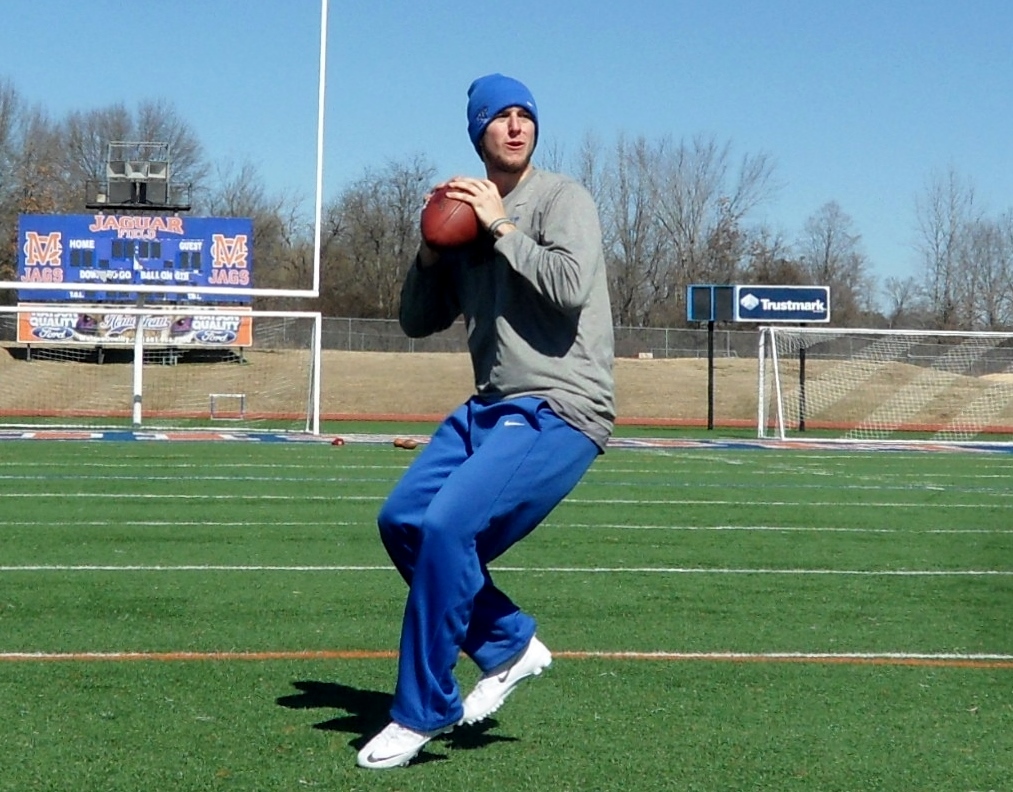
pixel 122 435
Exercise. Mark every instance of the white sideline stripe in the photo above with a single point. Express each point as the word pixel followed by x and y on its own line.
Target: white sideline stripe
pixel 176 465
pixel 536 570
pixel 547 525
pixel 795 655
pixel 184 496
pixel 182 523
pixel 570 501
pixel 187 480
pixel 787 529
pixel 834 504
pixel 614 655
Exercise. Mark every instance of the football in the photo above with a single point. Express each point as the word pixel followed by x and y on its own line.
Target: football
pixel 447 222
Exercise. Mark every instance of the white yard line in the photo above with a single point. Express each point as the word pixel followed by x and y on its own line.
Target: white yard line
pixel 549 525
pixel 568 501
pixel 531 570
pixel 918 659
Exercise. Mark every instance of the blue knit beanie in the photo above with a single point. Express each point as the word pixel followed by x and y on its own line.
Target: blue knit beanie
pixel 489 96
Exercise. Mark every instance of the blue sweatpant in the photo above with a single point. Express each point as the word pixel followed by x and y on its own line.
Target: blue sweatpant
pixel 489 475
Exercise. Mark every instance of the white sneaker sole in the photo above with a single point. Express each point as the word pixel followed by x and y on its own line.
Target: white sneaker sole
pixel 366 757
pixel 480 713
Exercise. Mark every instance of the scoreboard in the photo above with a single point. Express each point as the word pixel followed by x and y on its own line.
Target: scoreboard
pixel 165 250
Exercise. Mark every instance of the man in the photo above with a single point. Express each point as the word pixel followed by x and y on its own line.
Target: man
pixel 535 302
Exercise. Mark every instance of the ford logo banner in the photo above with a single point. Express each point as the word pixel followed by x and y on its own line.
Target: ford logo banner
pixel 53 333
pixel 215 336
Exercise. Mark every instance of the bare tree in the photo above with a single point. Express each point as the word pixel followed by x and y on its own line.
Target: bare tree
pixel 906 306
pixel 11 105
pixel 10 108
pixel 672 214
pixel 944 213
pixel 831 255
pixel 282 248
pixel 985 272
pixel 32 178
pixel 87 135
pixel 702 202
pixel 159 121
pixel 372 233
pixel 637 249
pixel 1003 282
pixel 770 260
pixel 37 164
pixel 551 155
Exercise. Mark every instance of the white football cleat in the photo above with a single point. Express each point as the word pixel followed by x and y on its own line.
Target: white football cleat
pixel 494 687
pixel 394 746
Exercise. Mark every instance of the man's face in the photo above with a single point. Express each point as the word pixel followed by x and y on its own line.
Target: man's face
pixel 509 141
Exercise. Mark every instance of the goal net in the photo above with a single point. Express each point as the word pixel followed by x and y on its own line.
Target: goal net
pixel 863 385
pixel 182 367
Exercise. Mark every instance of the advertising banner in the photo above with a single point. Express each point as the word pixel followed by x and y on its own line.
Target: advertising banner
pixel 94 325
pixel 165 250
pixel 782 304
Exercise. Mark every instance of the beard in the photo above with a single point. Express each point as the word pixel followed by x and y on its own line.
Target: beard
pixel 504 165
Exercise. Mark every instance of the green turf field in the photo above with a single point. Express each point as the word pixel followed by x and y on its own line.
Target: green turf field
pixel 222 616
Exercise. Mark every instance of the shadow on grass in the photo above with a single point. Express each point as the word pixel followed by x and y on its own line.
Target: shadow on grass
pixel 367 713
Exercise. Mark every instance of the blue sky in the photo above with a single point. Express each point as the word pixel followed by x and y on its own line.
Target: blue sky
pixel 857 102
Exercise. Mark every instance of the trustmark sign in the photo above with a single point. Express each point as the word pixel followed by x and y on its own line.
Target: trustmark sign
pixel 781 304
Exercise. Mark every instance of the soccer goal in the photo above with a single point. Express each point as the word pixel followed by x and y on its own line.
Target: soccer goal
pixel 165 367
pixel 882 385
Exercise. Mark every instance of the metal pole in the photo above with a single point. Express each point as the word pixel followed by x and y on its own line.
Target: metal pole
pixel 138 370
pixel 710 375
pixel 801 387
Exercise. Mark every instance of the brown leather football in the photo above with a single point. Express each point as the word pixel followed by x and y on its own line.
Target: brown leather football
pixel 447 222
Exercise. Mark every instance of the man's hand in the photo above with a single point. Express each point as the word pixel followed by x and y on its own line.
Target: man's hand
pixel 484 198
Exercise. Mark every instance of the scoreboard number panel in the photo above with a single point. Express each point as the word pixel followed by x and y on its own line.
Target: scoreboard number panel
pixel 168 251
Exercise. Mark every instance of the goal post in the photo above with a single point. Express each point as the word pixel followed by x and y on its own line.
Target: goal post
pixel 855 385
pixel 124 201
pixel 159 368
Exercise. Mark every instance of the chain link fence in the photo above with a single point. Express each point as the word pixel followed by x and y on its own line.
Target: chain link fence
pixel 385 335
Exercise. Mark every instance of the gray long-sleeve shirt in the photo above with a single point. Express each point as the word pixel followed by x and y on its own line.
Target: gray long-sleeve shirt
pixel 535 304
